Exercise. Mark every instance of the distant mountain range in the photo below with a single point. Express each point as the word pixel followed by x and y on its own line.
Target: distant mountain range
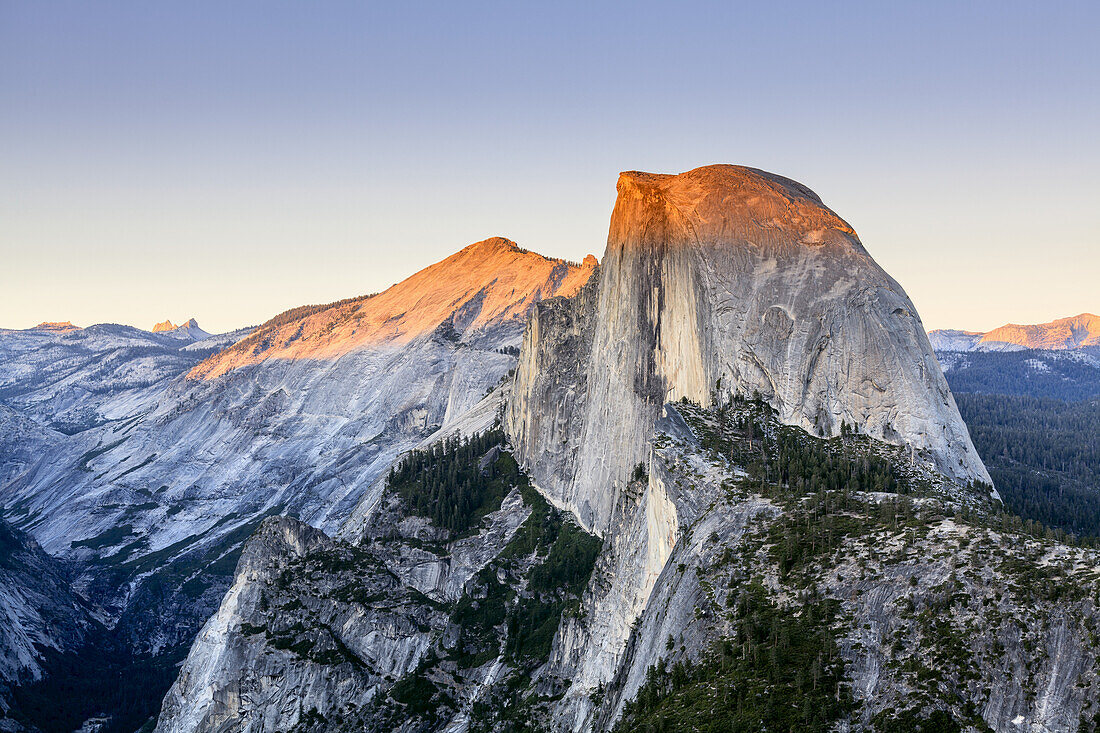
pixel 70 378
pixel 1058 360
pixel 1030 396
pixel 684 488
pixel 1062 334
pixel 190 329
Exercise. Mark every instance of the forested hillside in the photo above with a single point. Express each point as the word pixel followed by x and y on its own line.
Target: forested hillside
pixel 1043 455
pixel 1062 375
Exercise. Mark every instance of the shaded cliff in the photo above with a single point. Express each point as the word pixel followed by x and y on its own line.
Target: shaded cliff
pixel 41 616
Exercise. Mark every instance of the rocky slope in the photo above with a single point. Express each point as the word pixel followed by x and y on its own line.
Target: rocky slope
pixel 1075 332
pixel 884 595
pixel 40 615
pixel 23 442
pixel 75 378
pixel 396 631
pixel 774 526
pixel 726 280
pixel 484 287
pixel 735 532
pixel 156 498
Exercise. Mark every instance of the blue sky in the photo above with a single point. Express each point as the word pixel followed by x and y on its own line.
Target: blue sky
pixel 230 160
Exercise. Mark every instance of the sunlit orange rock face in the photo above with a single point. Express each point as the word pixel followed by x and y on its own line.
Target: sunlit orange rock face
pixel 726 203
pixel 718 282
pixel 491 282
pixel 56 326
pixel 1063 333
pixel 164 326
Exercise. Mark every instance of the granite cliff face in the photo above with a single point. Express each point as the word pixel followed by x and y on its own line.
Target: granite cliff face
pixel 40 614
pixel 746 410
pixel 260 678
pixel 164 475
pixel 719 281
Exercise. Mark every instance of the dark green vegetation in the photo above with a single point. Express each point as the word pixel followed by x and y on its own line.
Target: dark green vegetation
pixel 547 565
pixel 747 433
pixel 105 675
pixel 1043 456
pixel 116 673
pixel 447 484
pixel 1015 373
pixel 779 672
pixel 554 585
pixel 95 453
pixel 512 607
pixel 551 560
pixel 419 695
pixel 108 538
pixel 818 527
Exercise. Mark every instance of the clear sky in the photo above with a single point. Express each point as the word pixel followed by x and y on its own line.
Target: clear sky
pixel 229 160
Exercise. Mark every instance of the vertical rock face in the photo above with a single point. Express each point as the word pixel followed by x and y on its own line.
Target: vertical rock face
pixel 719 281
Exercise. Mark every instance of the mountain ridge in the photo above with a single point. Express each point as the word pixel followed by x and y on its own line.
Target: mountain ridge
pixel 162 479
pixel 472 288
pixel 719 281
pixel 1061 334
pixel 725 464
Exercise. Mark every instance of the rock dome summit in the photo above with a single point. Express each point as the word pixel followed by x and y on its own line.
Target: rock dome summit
pixel 719 281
